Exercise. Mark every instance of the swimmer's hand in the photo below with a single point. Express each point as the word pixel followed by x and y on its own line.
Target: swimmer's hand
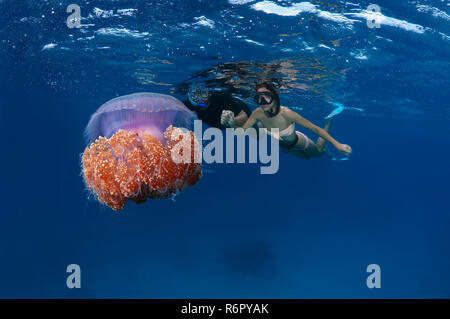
pixel 345 149
pixel 227 118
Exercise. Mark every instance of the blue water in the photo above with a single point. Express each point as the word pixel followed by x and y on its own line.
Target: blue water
pixel 308 231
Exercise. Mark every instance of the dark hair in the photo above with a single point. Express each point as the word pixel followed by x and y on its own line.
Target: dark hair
pixel 273 89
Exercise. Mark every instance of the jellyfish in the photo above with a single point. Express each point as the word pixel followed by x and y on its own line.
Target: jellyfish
pixel 131 143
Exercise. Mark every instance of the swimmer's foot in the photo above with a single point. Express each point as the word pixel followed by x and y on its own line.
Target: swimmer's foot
pixel 331 157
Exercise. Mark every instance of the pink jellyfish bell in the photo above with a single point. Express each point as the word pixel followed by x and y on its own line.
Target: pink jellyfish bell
pixel 131 144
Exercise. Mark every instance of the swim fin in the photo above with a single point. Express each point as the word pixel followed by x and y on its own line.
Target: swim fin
pixel 328 153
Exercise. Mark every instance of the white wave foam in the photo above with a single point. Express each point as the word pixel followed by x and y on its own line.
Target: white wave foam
pixel 435 12
pixel 308 47
pixel 99 13
pixel 359 55
pixel 127 12
pixel 291 11
pixel 239 1
pixel 121 32
pixel 336 17
pixel 444 36
pixel 49 46
pixel 87 25
pixel 297 8
pixel 254 42
pixel 326 47
pixel 204 21
pixel 385 20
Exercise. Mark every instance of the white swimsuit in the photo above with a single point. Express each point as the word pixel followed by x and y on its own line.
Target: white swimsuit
pixel 288 131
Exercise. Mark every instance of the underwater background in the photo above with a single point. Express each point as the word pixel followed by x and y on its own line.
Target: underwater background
pixel 308 231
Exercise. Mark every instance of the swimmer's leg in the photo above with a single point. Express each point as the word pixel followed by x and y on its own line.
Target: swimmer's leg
pixel 313 149
pixel 299 148
pixel 321 141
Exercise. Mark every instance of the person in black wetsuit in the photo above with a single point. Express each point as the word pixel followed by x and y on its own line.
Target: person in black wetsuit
pixel 209 105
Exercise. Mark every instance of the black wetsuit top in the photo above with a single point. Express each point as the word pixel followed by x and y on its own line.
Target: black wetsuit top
pixel 219 101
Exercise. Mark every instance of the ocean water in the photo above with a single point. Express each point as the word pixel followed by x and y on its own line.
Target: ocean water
pixel 308 231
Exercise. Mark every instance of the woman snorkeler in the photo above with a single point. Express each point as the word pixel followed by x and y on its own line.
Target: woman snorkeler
pixel 272 115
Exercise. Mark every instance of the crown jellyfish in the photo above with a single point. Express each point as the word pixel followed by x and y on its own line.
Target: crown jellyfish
pixel 135 149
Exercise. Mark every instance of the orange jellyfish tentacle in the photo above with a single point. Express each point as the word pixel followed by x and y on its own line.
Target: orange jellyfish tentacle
pixel 129 166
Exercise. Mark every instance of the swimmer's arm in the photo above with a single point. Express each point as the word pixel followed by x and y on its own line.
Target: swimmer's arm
pixel 312 127
pixel 240 119
pixel 251 120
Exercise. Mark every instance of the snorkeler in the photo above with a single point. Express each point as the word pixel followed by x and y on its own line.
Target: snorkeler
pixel 271 115
pixel 209 105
